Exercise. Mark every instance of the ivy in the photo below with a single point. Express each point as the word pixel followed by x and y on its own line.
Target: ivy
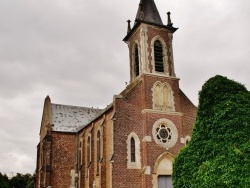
pixel 218 155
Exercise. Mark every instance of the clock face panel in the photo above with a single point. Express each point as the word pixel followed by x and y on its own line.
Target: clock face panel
pixel 165 133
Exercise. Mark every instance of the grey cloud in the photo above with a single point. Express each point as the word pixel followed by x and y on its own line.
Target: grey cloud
pixel 73 51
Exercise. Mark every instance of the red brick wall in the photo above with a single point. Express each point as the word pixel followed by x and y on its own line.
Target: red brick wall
pixel 129 118
pixel 189 111
pixel 103 124
pixel 63 158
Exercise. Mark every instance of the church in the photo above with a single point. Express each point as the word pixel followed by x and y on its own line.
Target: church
pixel 134 140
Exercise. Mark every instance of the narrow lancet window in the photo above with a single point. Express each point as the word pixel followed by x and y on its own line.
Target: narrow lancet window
pixel 98 158
pixel 136 65
pixel 158 55
pixel 132 145
pixel 133 152
pixel 88 152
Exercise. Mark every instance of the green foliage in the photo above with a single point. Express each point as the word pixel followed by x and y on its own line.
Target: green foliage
pixel 4 181
pixel 218 154
pixel 17 181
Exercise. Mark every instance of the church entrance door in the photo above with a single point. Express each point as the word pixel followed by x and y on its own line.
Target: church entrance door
pixel 165 181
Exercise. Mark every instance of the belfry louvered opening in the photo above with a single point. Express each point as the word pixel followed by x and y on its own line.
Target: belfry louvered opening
pixel 158 55
pixel 136 66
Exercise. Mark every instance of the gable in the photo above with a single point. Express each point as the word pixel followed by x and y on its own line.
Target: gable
pixel 46 118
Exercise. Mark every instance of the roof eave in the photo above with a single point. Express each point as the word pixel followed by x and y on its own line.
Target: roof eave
pixel 138 22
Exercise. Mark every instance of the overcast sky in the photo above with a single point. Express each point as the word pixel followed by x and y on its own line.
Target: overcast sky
pixel 72 50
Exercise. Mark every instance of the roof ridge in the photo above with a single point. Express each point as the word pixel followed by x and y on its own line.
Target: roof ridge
pixel 94 108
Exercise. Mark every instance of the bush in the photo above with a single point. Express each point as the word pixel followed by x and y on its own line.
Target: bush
pixel 218 154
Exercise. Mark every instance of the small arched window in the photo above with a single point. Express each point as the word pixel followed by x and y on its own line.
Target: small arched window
pixel 136 61
pixel 132 149
pixel 98 153
pixel 158 56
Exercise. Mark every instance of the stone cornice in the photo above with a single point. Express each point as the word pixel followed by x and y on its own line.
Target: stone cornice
pixel 145 111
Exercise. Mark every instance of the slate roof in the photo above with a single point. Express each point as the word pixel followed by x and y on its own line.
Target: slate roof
pixel 148 12
pixel 67 118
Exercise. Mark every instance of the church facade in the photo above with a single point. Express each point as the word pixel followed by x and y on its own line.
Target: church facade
pixel 133 141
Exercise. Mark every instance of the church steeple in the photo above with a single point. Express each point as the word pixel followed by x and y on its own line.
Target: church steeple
pixel 148 12
pixel 150 43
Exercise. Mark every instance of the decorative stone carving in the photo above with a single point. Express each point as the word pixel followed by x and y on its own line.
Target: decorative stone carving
pixel 165 133
pixel 163 98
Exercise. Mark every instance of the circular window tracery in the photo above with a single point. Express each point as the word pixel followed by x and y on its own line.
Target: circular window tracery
pixel 165 133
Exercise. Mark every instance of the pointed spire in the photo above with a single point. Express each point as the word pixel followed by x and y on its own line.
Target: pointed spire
pixel 129 27
pixel 47 99
pixel 148 12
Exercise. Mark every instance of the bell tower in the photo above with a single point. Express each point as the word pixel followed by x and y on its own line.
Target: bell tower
pixel 150 43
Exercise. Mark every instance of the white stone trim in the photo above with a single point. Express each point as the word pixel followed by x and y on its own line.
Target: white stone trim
pixel 165 57
pixel 173 132
pixel 161 99
pixel 185 140
pixel 144 49
pixel 170 36
pixel 146 170
pixel 133 60
pixel 161 112
pixel 137 163
pixel 163 166
pixel 147 139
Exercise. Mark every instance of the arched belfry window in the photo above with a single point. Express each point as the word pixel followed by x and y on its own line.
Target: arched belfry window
pixel 132 149
pixel 136 60
pixel 158 56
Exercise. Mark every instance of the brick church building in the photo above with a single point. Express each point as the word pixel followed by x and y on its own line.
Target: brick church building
pixel 133 141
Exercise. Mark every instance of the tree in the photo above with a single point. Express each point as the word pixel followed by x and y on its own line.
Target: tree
pixel 18 181
pixel 4 181
pixel 218 154
pixel 31 182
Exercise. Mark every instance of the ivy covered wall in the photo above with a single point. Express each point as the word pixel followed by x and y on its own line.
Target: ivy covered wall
pixel 218 155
